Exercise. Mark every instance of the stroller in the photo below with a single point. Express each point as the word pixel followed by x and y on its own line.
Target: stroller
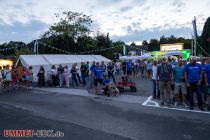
pixel 126 82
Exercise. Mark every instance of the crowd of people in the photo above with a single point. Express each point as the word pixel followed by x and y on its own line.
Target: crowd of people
pixel 173 82
pixel 176 82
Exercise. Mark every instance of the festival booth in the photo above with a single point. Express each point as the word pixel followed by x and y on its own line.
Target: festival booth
pixel 178 53
pixel 48 60
pixel 142 57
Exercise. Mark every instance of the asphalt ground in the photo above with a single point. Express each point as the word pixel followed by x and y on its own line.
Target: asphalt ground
pixel 87 118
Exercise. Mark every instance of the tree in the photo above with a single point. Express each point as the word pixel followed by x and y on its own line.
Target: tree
pixel 154 45
pixel 23 51
pixel 205 37
pixel 71 27
pixel 103 41
pixel 163 40
pixel 145 43
pixel 133 44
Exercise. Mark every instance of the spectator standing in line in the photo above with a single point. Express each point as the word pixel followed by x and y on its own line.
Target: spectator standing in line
pixel 156 89
pixel 66 75
pixel 30 77
pixel 136 68
pixel 203 83
pixel 110 69
pixel 117 68
pixel 98 76
pixel 92 74
pixel 54 74
pixel 41 77
pixel 129 67
pixel 25 77
pixel 207 80
pixel 179 83
pixel 104 68
pixel 78 76
pixel 74 75
pixel 124 63
pixel 83 69
pixel 8 77
pixel 193 73
pixel 142 68
pixel 60 75
pixel 164 71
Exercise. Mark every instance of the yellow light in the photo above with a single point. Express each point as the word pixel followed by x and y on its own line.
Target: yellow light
pixel 4 62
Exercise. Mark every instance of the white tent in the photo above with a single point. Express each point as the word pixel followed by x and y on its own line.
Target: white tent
pixel 48 60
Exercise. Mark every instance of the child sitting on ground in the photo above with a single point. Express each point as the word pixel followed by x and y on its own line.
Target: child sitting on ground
pixel 109 88
pixel 106 86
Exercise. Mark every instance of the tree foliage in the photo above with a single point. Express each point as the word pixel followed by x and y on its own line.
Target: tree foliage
pixel 205 37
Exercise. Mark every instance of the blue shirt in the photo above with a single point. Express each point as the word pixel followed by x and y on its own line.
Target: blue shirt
pixel 207 71
pixel 129 66
pixel 203 70
pixel 106 82
pixel 98 73
pixel 193 72
pixel 92 67
pixel 178 74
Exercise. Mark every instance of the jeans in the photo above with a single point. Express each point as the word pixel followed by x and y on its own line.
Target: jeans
pixel 117 72
pixel 156 88
pixel 204 91
pixel 194 87
pixel 91 80
pixel 74 80
pixel 165 88
pixel 83 75
pixel 111 75
pixel 61 77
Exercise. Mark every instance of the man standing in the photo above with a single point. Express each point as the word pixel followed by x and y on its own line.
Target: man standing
pixel 164 71
pixel 207 79
pixel 60 75
pixel 103 67
pixel 129 67
pixel 92 73
pixel 155 82
pixel 98 76
pixel 110 69
pixel 83 70
pixel 193 73
pixel 118 67
pixel 203 84
pixel 178 79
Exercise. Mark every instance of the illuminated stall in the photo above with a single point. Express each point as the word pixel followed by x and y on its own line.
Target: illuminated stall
pixel 179 53
pixel 5 61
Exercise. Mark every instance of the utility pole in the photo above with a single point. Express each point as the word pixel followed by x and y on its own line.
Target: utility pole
pixel 195 35
pixel 36 50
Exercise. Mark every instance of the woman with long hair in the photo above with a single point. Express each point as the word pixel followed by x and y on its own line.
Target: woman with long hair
pixel 41 77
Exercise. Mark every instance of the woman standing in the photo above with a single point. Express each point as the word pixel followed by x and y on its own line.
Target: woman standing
pixel 54 74
pixel 8 77
pixel 66 75
pixel 25 77
pixel 41 78
pixel 74 75
pixel 30 77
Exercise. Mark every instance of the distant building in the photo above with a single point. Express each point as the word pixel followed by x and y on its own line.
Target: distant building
pixel 137 50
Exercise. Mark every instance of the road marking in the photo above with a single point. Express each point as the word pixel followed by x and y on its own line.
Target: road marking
pixel 155 104
pixel 148 99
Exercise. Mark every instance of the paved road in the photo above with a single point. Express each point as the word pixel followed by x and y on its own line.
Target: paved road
pixel 93 118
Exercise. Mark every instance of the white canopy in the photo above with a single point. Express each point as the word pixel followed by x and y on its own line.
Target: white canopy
pixel 55 59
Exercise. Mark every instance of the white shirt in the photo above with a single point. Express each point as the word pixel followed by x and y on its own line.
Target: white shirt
pixel 117 65
pixel 154 72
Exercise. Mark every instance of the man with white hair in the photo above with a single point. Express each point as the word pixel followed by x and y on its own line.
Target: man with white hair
pixel 193 73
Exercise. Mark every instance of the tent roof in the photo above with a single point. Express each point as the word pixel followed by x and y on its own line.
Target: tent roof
pixel 55 59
